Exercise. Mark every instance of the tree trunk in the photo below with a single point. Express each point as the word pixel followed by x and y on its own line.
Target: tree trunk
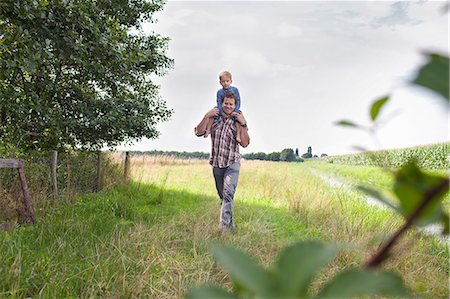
pixel 127 165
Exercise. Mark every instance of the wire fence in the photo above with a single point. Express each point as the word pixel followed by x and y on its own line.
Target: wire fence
pixel 75 173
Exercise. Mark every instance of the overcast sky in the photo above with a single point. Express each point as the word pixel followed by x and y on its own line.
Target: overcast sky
pixel 300 67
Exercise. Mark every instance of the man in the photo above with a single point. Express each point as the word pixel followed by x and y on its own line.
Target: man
pixel 226 137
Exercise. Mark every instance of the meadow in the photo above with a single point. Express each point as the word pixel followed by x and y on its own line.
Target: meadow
pixel 150 237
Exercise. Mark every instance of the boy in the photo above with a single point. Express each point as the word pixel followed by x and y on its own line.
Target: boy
pixel 225 79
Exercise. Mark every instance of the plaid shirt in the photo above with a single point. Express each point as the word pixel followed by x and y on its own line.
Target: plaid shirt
pixel 225 148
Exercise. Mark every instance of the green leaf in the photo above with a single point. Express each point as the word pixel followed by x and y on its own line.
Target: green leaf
pixel 412 186
pixel 377 195
pixel 376 107
pixel 299 263
pixel 362 282
pixel 209 293
pixel 243 269
pixel 347 123
pixel 435 75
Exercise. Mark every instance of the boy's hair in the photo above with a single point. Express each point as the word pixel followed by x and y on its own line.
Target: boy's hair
pixel 224 74
pixel 230 95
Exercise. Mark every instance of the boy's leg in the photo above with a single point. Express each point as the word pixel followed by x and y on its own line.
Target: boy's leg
pixel 238 127
pixel 210 122
pixel 208 127
pixel 238 131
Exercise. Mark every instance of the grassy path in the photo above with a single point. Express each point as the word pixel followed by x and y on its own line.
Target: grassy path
pixel 150 238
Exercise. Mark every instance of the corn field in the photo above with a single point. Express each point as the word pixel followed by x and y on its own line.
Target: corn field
pixel 434 156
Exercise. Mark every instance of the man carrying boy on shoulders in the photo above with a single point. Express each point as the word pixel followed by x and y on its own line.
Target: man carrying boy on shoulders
pixel 226 137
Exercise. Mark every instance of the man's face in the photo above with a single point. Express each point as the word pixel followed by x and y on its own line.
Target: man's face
pixel 225 82
pixel 228 105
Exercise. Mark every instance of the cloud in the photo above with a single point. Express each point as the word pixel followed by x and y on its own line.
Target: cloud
pixel 399 15
pixel 304 63
pixel 254 63
pixel 286 30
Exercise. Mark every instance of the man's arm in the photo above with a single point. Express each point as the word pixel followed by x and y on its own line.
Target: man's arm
pixel 200 129
pixel 242 135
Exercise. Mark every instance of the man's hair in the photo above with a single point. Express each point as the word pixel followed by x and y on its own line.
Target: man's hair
pixel 224 74
pixel 230 95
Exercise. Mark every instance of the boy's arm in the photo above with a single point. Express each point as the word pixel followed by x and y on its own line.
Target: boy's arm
pixel 200 129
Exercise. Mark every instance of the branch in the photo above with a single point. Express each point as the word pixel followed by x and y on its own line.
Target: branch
pixel 382 253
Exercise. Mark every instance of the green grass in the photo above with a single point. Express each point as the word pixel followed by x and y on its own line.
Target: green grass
pixel 150 238
pixel 371 176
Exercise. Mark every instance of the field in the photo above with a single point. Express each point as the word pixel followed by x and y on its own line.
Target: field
pixel 150 238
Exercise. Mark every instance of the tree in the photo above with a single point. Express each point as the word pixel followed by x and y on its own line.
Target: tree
pixel 308 154
pixel 275 156
pixel 287 155
pixel 74 73
pixel 260 156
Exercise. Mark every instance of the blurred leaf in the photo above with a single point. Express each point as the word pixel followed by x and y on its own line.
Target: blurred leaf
pixel 377 195
pixel 435 74
pixel 362 282
pixel 209 293
pixel 299 263
pixel 347 123
pixel 244 269
pixel 412 186
pixel 376 107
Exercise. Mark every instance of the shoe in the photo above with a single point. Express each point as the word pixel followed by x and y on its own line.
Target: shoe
pixel 225 229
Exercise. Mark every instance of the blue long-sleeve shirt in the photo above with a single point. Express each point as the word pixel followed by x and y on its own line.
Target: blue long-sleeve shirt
pixel 220 95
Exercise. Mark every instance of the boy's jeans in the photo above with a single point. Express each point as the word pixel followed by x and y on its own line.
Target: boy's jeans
pixel 226 183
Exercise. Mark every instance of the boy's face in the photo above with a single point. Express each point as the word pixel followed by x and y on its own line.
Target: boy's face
pixel 228 105
pixel 225 82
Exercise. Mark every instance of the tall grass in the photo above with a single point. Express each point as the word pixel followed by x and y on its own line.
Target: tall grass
pixel 150 238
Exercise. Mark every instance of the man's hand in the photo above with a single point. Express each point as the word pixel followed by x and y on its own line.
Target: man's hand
pixel 240 118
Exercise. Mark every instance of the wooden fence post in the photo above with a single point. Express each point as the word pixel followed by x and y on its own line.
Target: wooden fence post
pixel 27 212
pixel 98 185
pixel 127 165
pixel 68 172
pixel 54 181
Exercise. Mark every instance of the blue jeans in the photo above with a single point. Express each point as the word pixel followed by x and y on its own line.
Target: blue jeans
pixel 226 182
